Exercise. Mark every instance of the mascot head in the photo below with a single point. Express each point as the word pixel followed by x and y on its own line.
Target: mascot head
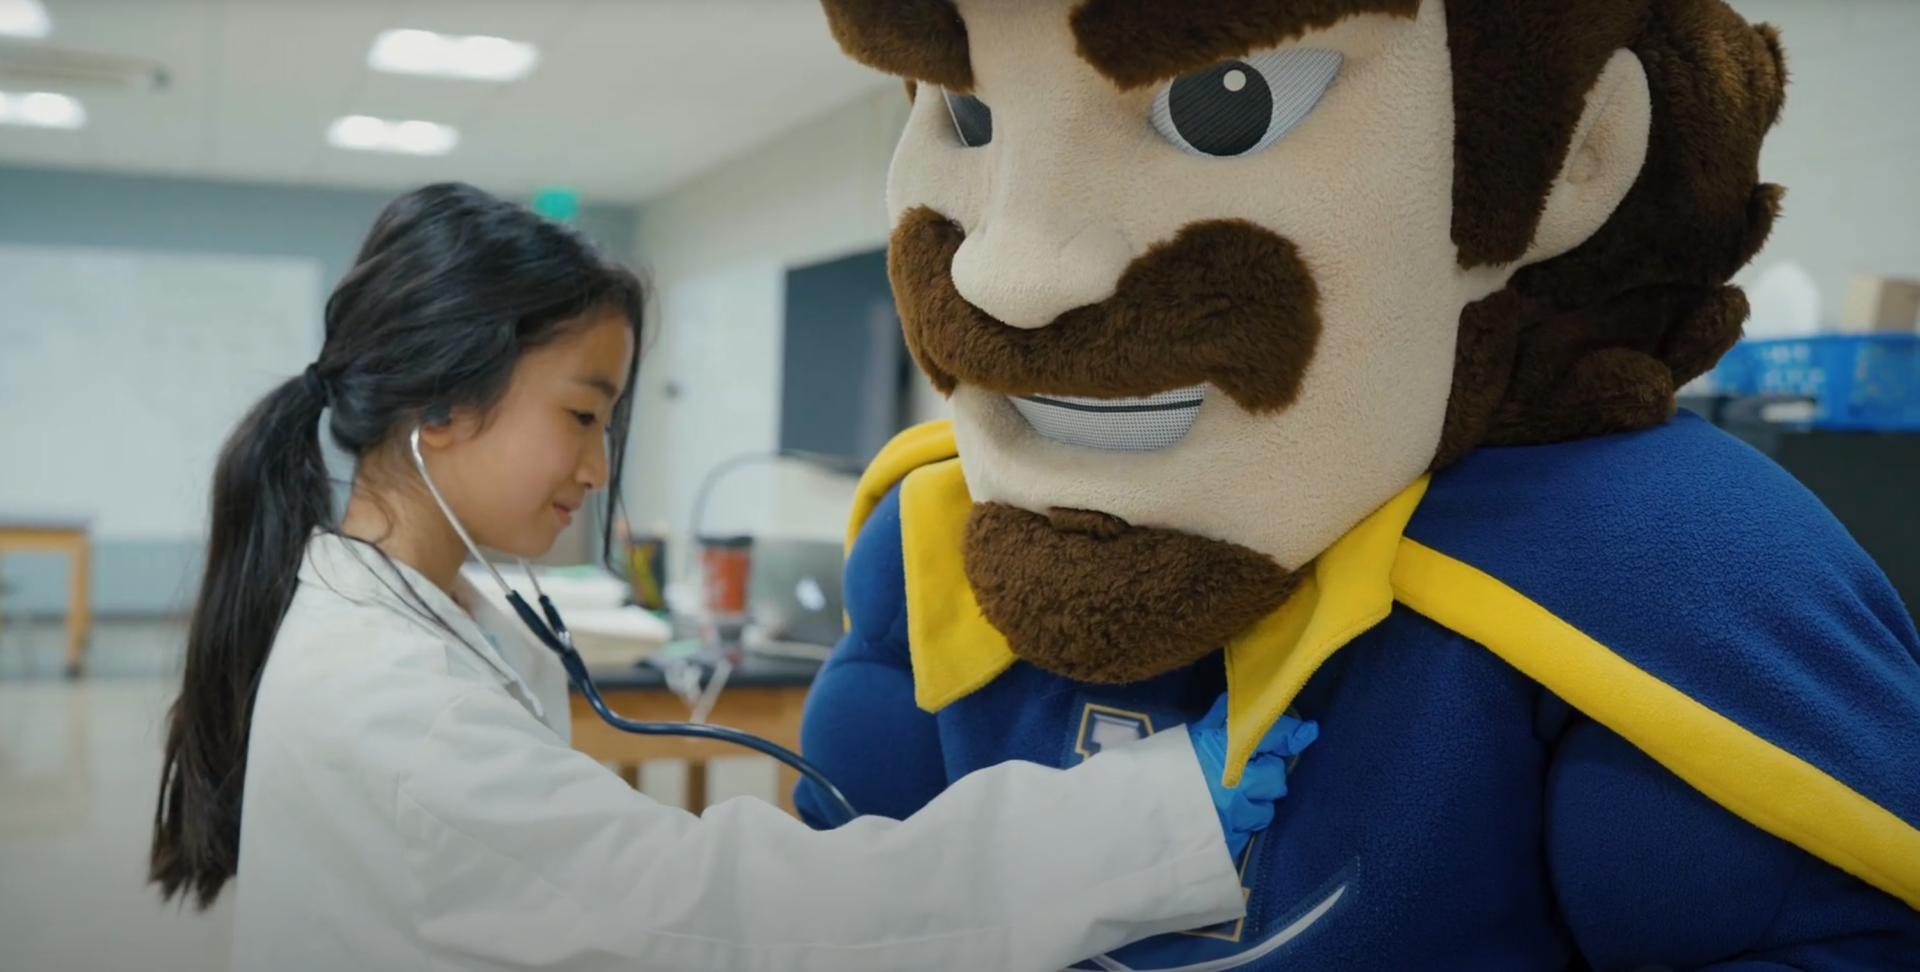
pixel 1208 282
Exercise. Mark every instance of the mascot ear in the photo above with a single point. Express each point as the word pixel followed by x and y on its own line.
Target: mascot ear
pixel 1603 161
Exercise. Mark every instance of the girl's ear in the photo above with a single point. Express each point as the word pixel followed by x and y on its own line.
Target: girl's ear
pixel 440 429
pixel 438 435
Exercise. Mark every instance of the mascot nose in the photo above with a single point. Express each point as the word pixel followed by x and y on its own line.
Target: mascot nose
pixel 1026 268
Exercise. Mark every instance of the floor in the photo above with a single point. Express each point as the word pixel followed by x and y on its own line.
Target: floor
pixel 79 769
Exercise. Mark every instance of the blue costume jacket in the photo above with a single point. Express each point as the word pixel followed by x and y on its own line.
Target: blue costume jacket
pixel 1628 701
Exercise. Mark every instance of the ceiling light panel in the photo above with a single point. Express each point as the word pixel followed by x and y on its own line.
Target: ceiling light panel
pixel 24 18
pixel 471 58
pixel 42 109
pixel 364 133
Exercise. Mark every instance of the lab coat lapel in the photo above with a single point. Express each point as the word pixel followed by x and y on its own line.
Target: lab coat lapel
pixel 358 570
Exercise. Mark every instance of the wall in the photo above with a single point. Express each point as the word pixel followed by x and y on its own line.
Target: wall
pixel 814 194
pixel 1848 145
pixel 61 208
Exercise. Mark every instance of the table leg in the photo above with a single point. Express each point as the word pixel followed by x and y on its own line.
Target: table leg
pixel 696 785
pixel 794 701
pixel 79 608
pixel 783 783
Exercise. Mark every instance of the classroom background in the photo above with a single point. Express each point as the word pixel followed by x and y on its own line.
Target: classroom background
pixel 182 181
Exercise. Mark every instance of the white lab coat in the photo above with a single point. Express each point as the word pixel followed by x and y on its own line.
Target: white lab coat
pixel 412 802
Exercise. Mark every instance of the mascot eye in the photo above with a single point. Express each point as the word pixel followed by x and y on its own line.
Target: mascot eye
pixel 1240 107
pixel 972 119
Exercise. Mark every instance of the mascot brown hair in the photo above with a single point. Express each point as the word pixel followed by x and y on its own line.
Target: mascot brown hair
pixel 1324 352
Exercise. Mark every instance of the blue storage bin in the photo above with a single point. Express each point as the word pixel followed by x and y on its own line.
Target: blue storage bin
pixel 1861 382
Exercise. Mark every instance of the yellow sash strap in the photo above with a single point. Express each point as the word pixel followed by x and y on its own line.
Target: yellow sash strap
pixel 1765 785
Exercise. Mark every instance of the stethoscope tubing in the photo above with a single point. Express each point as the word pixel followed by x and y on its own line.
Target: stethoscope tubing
pixel 551 631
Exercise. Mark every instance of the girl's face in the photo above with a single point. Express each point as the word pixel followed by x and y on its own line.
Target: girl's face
pixel 518 476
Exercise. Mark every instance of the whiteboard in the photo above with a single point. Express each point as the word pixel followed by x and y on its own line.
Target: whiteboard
pixel 122 372
pixel 722 335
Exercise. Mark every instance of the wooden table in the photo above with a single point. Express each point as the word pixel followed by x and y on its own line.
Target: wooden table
pixel 70 538
pixel 764 696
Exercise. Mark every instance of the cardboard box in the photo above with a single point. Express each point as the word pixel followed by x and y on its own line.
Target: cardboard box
pixel 1881 304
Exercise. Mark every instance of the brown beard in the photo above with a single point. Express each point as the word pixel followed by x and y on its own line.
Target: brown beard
pixel 1224 302
pixel 1093 598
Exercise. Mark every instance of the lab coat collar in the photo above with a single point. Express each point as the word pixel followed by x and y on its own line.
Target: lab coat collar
pixel 360 572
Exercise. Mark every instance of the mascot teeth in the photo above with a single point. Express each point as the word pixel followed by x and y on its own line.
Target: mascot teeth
pixel 1114 424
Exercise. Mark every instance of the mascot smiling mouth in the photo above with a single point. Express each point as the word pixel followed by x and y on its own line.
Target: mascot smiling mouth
pixel 1114 424
pixel 1225 310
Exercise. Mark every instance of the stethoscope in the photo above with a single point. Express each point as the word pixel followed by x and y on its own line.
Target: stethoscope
pixel 553 633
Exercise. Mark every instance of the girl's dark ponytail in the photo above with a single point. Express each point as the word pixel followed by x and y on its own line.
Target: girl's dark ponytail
pixel 270 492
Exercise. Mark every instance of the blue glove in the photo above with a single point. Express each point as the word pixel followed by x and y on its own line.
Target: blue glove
pixel 1247 809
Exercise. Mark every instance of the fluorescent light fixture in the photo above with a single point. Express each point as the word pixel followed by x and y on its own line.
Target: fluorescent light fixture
pixel 476 58
pixel 24 18
pixel 41 109
pixel 364 133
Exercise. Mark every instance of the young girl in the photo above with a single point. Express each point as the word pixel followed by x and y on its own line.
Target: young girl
pixel 400 747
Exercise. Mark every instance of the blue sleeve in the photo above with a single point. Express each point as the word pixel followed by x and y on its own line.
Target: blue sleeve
pixel 862 727
pixel 1651 873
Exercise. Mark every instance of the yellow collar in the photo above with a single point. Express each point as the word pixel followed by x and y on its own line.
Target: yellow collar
pixel 956 652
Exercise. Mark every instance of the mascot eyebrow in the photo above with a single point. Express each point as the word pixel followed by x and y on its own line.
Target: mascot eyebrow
pixel 1133 42
pixel 1136 43
pixel 920 40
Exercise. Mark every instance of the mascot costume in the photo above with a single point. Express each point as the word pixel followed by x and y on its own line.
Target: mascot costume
pixel 1324 352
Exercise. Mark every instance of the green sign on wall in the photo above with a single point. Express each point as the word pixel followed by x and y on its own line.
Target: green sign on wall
pixel 559 205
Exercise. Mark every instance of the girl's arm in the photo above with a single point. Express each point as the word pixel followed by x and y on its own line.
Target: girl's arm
pixel 528 854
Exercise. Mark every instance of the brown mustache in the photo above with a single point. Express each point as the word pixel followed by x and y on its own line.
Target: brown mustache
pixel 1225 302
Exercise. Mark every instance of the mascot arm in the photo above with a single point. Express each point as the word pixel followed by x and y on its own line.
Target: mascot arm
pixel 862 726
pixel 1650 872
